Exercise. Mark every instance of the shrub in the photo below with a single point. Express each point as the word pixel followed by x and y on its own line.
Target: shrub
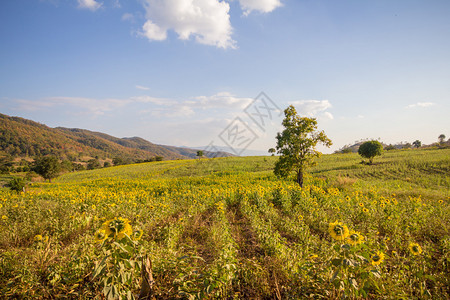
pixel 370 149
pixel 17 184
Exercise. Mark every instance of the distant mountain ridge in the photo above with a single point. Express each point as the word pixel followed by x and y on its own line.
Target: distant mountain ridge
pixel 23 137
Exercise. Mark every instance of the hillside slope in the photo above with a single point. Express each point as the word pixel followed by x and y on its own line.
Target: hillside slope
pixel 22 137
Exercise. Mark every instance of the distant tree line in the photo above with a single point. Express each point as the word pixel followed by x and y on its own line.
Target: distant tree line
pixel 442 143
pixel 50 166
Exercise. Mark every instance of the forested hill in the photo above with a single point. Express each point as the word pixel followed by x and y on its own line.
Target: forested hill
pixel 22 137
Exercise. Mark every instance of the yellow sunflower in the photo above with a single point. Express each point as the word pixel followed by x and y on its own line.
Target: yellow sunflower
pixel 100 236
pixel 355 238
pixel 38 237
pixel 338 231
pixel 118 228
pixel 137 234
pixel 377 258
pixel 415 248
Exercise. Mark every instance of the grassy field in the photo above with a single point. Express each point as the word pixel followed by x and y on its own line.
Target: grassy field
pixel 228 228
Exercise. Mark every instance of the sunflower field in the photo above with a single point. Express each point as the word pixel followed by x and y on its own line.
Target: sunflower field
pixel 227 228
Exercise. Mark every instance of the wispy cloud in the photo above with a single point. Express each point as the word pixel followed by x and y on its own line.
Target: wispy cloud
pixel 421 104
pixel 140 87
pixel 89 4
pixel 163 107
pixel 314 108
pixel 264 6
pixel 87 106
pixel 128 17
pixel 219 100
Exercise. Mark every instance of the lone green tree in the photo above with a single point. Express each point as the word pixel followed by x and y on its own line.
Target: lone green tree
pixel 441 139
pixel 417 144
pixel 272 151
pixel 48 167
pixel 199 153
pixel 370 149
pixel 296 144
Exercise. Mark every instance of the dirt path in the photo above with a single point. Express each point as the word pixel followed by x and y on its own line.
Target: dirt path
pixel 257 278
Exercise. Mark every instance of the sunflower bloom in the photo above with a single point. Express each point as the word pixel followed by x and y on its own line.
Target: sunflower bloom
pixel 38 238
pixel 415 248
pixel 100 236
pixel 355 238
pixel 377 258
pixel 338 231
pixel 117 228
pixel 137 234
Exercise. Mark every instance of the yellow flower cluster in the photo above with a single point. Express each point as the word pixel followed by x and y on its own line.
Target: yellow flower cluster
pixel 117 229
pixel 377 258
pixel 338 231
pixel 415 248
pixel 355 238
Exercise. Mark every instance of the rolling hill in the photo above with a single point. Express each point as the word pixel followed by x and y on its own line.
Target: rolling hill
pixel 21 137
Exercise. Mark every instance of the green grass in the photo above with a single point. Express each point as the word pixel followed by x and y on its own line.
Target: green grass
pixel 228 228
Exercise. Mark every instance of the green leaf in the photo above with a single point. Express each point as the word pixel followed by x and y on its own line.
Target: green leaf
pixel 345 247
pixel 336 262
pixel 376 273
pixel 335 275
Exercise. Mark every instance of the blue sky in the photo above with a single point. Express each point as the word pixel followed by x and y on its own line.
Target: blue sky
pixel 179 72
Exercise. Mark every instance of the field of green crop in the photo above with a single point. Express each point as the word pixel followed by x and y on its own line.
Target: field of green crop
pixel 228 228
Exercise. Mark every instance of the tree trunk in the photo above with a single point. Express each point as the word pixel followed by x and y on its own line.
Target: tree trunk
pixel 300 177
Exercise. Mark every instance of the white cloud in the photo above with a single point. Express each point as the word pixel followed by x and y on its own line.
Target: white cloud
pixel 89 4
pixel 154 32
pixel 264 6
pixel 88 106
pixel 128 17
pixel 116 4
pixel 421 104
pixel 140 87
pixel 208 21
pixel 312 108
pixel 162 107
pixel 154 100
pixel 219 100
pixel 327 115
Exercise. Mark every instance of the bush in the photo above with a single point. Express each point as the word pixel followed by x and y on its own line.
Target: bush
pixel 17 184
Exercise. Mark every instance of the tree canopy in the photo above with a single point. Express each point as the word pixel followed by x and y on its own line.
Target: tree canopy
pixel 417 144
pixel 370 149
pixel 48 167
pixel 296 144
